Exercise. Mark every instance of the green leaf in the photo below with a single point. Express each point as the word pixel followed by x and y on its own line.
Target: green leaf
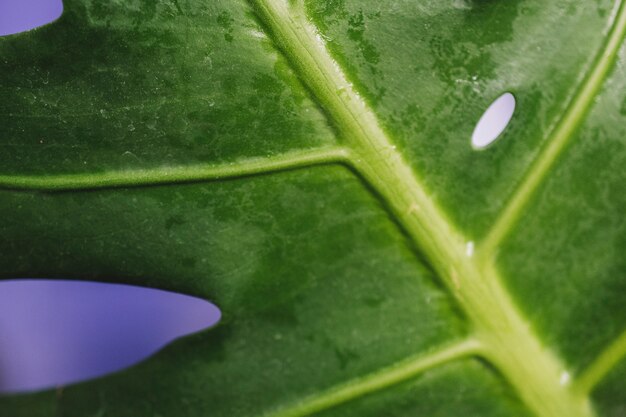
pixel 307 166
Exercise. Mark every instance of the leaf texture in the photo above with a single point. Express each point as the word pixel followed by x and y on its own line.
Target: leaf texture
pixel 307 166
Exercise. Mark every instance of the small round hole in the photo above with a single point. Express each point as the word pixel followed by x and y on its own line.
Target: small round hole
pixel 493 121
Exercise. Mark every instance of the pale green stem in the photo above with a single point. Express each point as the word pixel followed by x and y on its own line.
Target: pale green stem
pixel 560 137
pixel 511 346
pixel 384 378
pixel 603 364
pixel 168 175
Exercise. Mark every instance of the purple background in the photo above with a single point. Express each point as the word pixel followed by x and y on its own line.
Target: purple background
pixel 58 332
pixel 54 333
pixel 20 15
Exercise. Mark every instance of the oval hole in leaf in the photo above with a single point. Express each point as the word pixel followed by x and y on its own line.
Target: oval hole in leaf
pixel 22 15
pixel 493 121
pixel 55 332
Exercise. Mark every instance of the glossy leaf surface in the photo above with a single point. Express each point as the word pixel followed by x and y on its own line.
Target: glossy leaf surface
pixel 307 166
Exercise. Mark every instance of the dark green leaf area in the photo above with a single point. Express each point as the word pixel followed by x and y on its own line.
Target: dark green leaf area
pixel 449 61
pixel 317 285
pixel 141 84
pixel 464 388
pixel 575 235
pixel 609 395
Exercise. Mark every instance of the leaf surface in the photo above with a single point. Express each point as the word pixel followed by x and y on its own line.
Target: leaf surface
pixel 307 166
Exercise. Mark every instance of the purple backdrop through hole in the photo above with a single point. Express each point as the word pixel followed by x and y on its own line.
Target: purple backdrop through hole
pixel 20 15
pixel 59 332
pixel 55 333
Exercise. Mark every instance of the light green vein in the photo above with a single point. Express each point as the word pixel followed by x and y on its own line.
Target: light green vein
pixel 603 364
pixel 508 340
pixel 561 136
pixel 384 378
pixel 176 174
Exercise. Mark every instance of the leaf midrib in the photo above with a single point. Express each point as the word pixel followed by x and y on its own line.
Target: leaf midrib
pixel 510 344
pixel 374 158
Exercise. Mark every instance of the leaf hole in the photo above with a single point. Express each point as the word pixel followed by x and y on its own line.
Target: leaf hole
pixel 22 15
pixel 493 121
pixel 55 332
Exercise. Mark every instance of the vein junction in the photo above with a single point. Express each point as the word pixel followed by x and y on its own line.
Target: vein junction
pixel 502 335
pixel 507 339
pixel 382 379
